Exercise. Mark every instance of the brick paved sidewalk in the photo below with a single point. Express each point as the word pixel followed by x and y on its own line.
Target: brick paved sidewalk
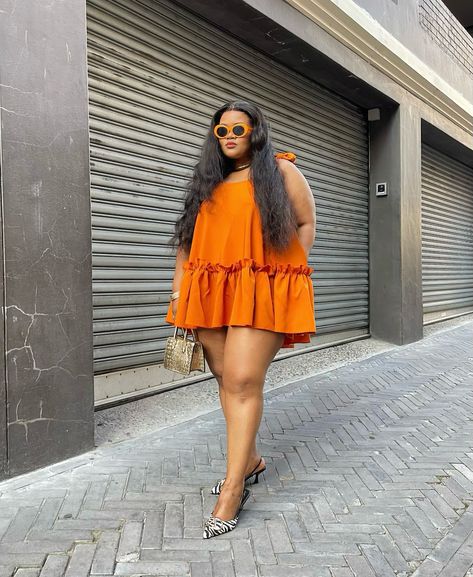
pixel 370 473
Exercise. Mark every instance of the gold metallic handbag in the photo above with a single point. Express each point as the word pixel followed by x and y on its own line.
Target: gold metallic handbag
pixel 182 354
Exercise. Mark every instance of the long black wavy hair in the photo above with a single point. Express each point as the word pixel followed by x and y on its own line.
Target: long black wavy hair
pixel 277 215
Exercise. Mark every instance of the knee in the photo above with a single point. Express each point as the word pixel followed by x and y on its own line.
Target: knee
pixel 241 384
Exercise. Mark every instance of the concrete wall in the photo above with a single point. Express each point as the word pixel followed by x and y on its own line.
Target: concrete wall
pixel 3 388
pixel 312 47
pixel 395 227
pixel 429 30
pixel 47 345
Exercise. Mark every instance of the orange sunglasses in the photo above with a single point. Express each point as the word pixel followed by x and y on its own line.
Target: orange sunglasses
pixel 239 129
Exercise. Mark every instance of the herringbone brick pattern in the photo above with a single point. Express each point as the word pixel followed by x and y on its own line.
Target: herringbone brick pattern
pixel 370 473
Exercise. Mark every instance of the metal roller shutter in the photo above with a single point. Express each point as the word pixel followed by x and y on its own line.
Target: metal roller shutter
pixel 447 236
pixel 156 74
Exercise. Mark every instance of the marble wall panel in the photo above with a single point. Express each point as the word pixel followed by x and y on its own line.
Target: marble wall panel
pixel 47 232
pixel 3 388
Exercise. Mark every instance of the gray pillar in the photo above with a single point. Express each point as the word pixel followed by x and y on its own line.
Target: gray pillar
pixel 395 227
pixel 3 390
pixel 48 377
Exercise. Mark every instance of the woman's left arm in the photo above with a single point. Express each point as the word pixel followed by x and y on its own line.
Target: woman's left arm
pixel 302 200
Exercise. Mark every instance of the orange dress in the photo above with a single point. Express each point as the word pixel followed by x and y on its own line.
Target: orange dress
pixel 229 278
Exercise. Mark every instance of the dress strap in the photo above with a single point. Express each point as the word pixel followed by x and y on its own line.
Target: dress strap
pixel 286 156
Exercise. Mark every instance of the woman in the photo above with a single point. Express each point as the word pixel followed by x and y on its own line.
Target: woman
pixel 242 279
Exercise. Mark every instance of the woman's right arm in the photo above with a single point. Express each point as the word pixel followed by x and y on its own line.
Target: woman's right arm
pixel 181 256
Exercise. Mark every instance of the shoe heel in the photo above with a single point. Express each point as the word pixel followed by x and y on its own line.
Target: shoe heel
pixel 257 476
pixel 244 498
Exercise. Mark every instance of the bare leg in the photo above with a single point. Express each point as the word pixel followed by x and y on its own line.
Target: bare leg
pixel 247 356
pixel 254 457
pixel 213 341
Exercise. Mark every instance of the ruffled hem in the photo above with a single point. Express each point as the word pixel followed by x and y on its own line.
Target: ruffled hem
pixel 274 296
pixel 290 339
pixel 269 268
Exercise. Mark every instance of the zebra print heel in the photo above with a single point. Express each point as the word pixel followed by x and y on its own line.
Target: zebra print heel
pixel 215 526
pixel 215 490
